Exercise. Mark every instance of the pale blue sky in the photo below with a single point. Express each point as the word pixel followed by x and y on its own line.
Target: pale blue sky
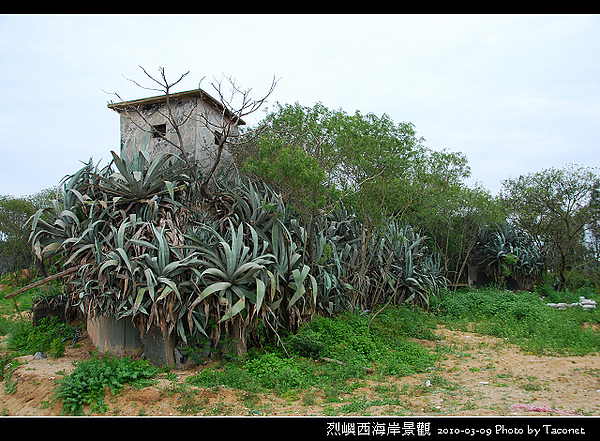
pixel 514 93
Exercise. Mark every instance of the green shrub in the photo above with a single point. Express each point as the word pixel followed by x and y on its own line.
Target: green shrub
pixel 405 321
pixel 544 290
pixel 271 371
pixel 47 337
pixel 551 295
pixel 588 291
pixel 348 339
pixel 345 338
pixel 228 374
pixel 562 297
pixel 87 383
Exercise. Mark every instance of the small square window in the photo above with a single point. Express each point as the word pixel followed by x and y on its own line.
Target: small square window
pixel 159 130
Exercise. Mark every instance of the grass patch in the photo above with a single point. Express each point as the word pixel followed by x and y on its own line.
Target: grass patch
pixel 384 346
pixel 50 336
pixel 347 339
pixel 523 318
pixel 384 343
pixel 299 369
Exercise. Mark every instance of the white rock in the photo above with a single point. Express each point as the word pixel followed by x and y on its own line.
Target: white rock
pixel 583 302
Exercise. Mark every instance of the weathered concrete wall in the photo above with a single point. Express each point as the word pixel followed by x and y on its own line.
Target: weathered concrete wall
pixel 122 338
pixel 158 348
pixel 117 337
pixel 198 139
pixel 136 134
pixel 205 146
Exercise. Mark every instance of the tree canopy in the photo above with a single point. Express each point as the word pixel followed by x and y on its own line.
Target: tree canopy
pixel 15 252
pixel 379 169
pixel 555 206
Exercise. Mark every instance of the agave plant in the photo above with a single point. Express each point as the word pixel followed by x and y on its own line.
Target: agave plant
pixel 506 253
pixel 145 179
pixel 408 268
pixel 50 239
pixel 147 250
pixel 232 272
pixel 89 228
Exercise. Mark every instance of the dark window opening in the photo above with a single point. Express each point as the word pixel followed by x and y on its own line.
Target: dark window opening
pixel 159 130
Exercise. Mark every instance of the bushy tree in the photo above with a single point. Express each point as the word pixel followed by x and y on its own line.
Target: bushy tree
pixel 380 170
pixel 553 206
pixel 14 250
pixel 595 229
pixel 15 253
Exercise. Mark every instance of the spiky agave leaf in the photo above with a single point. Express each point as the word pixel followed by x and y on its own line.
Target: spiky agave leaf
pixel 232 274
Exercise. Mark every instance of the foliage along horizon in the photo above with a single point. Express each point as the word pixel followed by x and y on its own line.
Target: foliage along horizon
pixel 330 212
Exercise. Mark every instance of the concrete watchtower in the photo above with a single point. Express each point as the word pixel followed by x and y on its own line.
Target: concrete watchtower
pixel 147 125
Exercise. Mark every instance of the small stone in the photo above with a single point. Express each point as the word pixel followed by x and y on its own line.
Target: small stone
pixel 40 356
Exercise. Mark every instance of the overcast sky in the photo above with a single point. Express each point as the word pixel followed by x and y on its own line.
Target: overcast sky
pixel 514 93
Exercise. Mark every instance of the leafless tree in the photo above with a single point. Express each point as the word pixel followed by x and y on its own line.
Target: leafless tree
pixel 233 105
pixel 231 114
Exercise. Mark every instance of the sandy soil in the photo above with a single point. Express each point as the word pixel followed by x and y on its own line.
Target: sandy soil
pixel 477 375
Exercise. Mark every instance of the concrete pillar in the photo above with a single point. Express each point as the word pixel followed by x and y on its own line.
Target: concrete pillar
pixel 117 337
pixel 158 348
pixel 122 338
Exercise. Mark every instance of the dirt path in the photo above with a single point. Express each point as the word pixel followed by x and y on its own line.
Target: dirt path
pixel 477 375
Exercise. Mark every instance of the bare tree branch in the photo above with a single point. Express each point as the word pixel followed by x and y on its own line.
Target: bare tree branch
pixel 165 88
pixel 224 129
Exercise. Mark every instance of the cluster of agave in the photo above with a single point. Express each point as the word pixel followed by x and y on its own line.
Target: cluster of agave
pixel 506 253
pixel 149 245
